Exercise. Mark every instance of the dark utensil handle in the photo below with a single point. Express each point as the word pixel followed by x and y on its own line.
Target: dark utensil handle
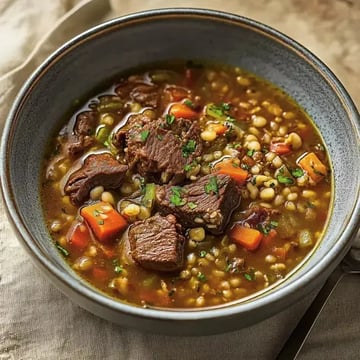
pixel 302 330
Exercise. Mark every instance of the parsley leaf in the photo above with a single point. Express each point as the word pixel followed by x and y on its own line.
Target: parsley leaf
pixel 201 276
pixel 144 135
pixel 192 205
pixel 250 153
pixel 212 186
pixel 297 172
pixel 248 277
pixel 62 250
pixel 118 269
pixel 189 103
pixel 175 197
pixel 202 253
pixel 188 148
pixel 169 119
pixel 285 180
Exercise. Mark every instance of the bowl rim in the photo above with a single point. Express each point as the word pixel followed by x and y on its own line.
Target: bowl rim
pixel 287 294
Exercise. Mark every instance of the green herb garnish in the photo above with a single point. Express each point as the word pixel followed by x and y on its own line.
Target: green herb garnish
pixel 228 267
pixel 169 119
pixel 202 253
pixel 62 250
pixel 250 153
pixel 159 137
pixel 100 222
pixel 296 173
pixel 175 197
pixel 285 180
pixel 248 277
pixel 188 148
pixel 118 269
pixel 201 276
pixel 189 103
pixel 192 205
pixel 212 186
pixel 144 135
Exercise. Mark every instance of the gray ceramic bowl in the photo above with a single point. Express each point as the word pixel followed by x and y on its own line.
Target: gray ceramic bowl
pixel 98 54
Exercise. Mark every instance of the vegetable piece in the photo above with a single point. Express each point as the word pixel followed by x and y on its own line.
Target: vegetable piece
pixel 102 133
pixel 149 196
pixel 283 175
pixel 313 166
pixel 180 110
pixel 281 252
pixel 280 148
pixel 228 167
pixel 305 239
pixel 176 197
pixel 212 186
pixel 104 220
pixel 100 273
pixel 188 148
pixel 79 235
pixel 247 237
pixel 64 251
pixel 220 129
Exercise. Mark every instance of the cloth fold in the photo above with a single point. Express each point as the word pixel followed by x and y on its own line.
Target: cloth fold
pixel 37 321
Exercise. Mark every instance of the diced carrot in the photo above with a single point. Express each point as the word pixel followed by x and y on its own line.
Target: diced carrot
pixel 269 237
pixel 281 252
pixel 100 273
pixel 247 237
pixel 79 235
pixel 220 129
pixel 104 220
pixel 280 148
pixel 228 167
pixel 313 166
pixel 180 110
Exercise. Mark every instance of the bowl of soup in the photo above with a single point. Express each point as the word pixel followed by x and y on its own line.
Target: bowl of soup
pixel 183 171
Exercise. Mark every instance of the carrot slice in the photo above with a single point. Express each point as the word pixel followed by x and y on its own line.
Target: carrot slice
pixel 228 167
pixel 79 235
pixel 280 148
pixel 247 237
pixel 104 220
pixel 180 110
pixel 313 166
pixel 220 129
pixel 100 273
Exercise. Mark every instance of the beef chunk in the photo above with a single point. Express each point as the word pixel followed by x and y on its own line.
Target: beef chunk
pixel 98 169
pixel 79 138
pixel 208 202
pixel 157 243
pixel 159 150
pixel 145 94
pixel 257 216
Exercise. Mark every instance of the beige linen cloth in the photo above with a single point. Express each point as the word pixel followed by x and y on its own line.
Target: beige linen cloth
pixel 36 320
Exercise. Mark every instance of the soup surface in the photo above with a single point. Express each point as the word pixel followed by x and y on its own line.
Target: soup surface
pixel 186 186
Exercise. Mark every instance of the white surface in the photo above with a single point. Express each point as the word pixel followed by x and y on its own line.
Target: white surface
pixel 36 321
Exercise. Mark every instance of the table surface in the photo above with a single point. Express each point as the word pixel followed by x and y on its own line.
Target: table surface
pixel 38 322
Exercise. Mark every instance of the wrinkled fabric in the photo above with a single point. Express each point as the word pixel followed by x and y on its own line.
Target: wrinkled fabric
pixel 37 321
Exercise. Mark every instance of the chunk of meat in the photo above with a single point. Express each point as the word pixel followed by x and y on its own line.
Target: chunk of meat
pixel 207 202
pixel 257 215
pixel 79 137
pixel 145 94
pixel 157 243
pixel 98 169
pixel 159 151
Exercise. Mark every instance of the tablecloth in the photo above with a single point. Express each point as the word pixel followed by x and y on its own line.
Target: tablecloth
pixel 37 321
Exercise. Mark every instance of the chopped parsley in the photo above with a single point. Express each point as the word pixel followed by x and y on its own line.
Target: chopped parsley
pixel 159 137
pixel 228 267
pixel 192 205
pixel 245 166
pixel 220 112
pixel 100 222
pixel 265 228
pixel 201 276
pixel 248 277
pixel 169 119
pixel 285 180
pixel 296 173
pixel 175 197
pixel 212 186
pixel 97 212
pixel 62 250
pixel 250 153
pixel 202 253
pixel 187 167
pixel 118 269
pixel 144 135
pixel 188 148
pixel 189 103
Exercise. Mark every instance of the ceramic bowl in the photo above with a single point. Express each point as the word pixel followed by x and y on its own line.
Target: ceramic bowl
pixel 108 49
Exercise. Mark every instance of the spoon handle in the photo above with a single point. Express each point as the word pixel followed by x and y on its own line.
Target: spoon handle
pixel 302 330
